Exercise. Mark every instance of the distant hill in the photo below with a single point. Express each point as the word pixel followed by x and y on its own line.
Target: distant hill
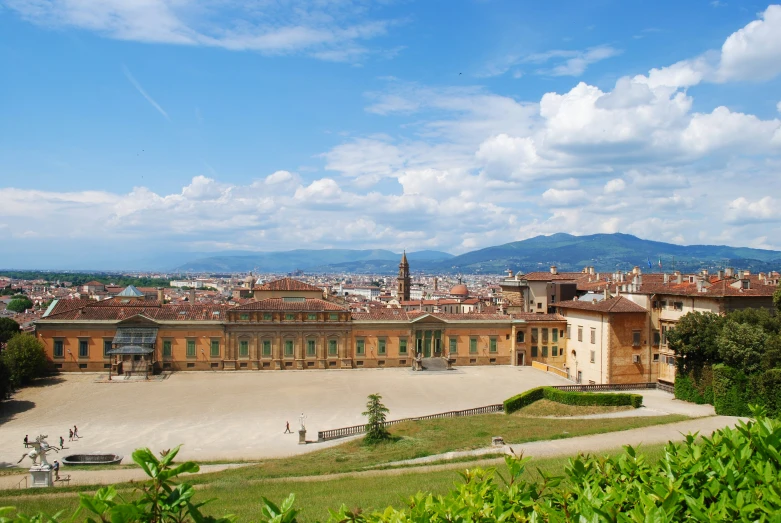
pixel 324 260
pixel 605 252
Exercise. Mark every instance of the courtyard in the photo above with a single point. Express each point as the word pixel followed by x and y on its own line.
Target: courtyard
pixel 239 415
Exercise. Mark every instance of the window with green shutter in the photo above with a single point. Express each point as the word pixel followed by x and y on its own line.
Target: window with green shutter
pixel 288 347
pixel 381 346
pixel 360 347
pixel 534 351
pixel 267 347
pixel 334 316
pixel 244 316
pixel 555 334
pixel 107 345
pixel 310 347
pixel 311 317
pixel 492 345
pixel 83 348
pixel 453 345
pixel 554 351
pixel 59 348
pixel 332 348
pixel 402 345
pixel 215 348
pixel 266 316
pixel 544 336
pixel 535 335
pixel 167 349
pixel 243 348
pixel 190 348
pixel 544 351
pixel 290 317
pixel 472 345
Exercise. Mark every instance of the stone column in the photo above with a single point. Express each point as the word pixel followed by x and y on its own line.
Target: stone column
pixel 299 351
pixel 346 350
pixel 513 348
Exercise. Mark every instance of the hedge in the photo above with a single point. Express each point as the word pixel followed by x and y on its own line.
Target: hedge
pixel 733 391
pixel 695 387
pixel 581 399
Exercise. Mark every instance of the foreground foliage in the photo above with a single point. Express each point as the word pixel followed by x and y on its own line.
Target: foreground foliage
pixel 731 476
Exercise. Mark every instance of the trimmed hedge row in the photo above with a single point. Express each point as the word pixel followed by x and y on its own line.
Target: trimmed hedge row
pixel 733 391
pixel 695 387
pixel 571 398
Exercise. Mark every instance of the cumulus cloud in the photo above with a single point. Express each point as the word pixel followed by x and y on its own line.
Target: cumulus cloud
pixel 743 211
pixel 615 185
pixel 753 52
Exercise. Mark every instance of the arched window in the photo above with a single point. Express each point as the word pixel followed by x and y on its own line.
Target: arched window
pixel 520 336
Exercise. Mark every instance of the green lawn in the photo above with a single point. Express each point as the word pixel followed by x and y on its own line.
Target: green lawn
pixel 545 407
pixel 314 498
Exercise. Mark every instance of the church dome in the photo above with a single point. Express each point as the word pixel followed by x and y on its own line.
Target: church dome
pixel 459 290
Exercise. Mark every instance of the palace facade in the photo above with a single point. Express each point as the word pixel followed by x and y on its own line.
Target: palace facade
pixel 287 325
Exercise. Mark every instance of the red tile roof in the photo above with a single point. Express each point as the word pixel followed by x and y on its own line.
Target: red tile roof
pixel 97 311
pixel 287 284
pixel 612 305
pixel 280 304
pixel 531 316
pixel 547 276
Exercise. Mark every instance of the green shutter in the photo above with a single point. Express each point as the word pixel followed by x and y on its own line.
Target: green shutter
pixel 472 345
pixel 332 348
pixel 554 351
pixel 58 349
pixel 215 348
pixel 106 347
pixel 492 345
pixel 290 317
pixel 167 348
pixel 266 316
pixel 310 347
pixel 243 348
pixel 83 348
pixel 544 351
pixel 311 317
pixel 334 316
pixel 403 346
pixel 555 335
pixel 288 347
pixel 190 348
pixel 359 347
pixel 267 347
pixel 453 345
pixel 534 351
pixel 381 346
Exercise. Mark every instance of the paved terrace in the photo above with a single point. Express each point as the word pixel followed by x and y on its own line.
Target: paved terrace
pixel 239 415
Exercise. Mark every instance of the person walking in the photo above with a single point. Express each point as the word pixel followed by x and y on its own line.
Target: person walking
pixel 70 434
pixel 62 443
pixel 56 469
pixel 287 428
pixel 75 432
pixel 25 440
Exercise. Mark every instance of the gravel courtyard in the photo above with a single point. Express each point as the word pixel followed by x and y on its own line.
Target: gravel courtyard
pixel 239 415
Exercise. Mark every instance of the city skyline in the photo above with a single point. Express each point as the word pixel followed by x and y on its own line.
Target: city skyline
pixel 348 124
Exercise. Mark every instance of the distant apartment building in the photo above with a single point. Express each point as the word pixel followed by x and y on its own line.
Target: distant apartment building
pixel 192 284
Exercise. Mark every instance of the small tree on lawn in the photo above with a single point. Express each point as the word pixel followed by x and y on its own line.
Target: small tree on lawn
pixel 24 359
pixel 376 411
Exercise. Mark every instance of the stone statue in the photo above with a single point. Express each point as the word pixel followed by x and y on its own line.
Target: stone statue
pixel 301 421
pixel 40 448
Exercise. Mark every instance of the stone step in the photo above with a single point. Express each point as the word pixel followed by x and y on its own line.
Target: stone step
pixel 434 364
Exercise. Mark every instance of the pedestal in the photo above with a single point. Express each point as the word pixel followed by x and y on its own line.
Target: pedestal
pixel 302 437
pixel 41 476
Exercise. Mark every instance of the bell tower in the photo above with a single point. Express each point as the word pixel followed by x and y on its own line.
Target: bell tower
pixel 402 293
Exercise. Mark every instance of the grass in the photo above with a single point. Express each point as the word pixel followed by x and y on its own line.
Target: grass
pixel 314 498
pixel 545 407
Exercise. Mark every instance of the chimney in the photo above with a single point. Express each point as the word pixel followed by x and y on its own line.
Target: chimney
pixel 509 276
pixel 553 269
pixel 678 278
pixel 700 287
pixel 704 273
pixel 591 270
pixel 761 276
pixel 730 272
pixel 721 274
pixel 635 270
pixel 607 294
pixel 740 274
pixel 192 296
pixel 160 295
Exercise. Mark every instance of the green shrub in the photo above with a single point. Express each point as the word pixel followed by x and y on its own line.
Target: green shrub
pixel 695 387
pixel 731 392
pixel 571 398
pixel 522 400
pixel 769 390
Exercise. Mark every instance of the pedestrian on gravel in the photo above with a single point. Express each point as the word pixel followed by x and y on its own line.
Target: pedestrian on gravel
pixel 70 434
pixel 62 443
pixel 287 428
pixel 25 440
pixel 75 432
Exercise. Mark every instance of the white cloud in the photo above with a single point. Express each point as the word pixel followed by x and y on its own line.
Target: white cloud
pixel 564 197
pixel 615 185
pixel 325 30
pixel 743 211
pixel 753 52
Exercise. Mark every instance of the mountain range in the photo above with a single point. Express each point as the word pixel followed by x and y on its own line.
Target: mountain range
pixel 605 252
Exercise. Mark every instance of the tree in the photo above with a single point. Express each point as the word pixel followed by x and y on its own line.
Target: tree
pixel 376 411
pixel 741 346
pixel 19 304
pixel 25 359
pixel 8 329
pixel 694 340
pixel 5 381
pixel 777 298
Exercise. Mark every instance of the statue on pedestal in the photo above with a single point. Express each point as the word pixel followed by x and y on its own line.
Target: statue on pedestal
pixel 40 448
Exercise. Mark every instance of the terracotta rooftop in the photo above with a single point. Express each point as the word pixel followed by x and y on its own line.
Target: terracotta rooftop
pixel 287 284
pixel 281 304
pixel 530 316
pixel 614 304
pixel 547 276
pixel 154 312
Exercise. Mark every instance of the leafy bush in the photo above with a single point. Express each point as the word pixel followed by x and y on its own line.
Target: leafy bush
pixel 734 391
pixel 769 390
pixel 523 399
pixel 570 398
pixel 25 359
pixel 695 386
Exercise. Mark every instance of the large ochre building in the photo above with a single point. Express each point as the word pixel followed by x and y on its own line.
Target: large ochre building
pixel 287 325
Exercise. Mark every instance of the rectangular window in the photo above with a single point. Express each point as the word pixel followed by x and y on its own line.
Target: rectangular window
pixel 59 348
pixel 107 344
pixel 555 335
pixel 635 338
pixel 534 351
pixel 267 347
pixel 290 317
pixel 360 347
pixel 311 317
pixel 167 348
pixel 244 316
pixel 656 358
pixel 539 305
pixel 664 334
pixel 580 333
pixel 83 348
pixel 266 316
pixel 657 338
pixel 520 336
pixel 472 345
pixel 554 351
pixel 190 348
pixel 310 347
pixel 544 351
pixel 535 336
pixel 569 331
pixel 243 348
pixel 453 345
pixel 492 345
pixel 332 348
pixel 402 345
pixel 381 346
pixel 593 356
pixel 288 347
pixel 678 305
pixel 593 335
pixel 215 348
pixel 334 316
pixel 544 336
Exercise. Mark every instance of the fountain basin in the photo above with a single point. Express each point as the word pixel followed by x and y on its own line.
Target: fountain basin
pixel 97 458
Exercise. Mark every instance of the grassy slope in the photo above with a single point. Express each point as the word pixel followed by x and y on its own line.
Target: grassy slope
pixel 545 407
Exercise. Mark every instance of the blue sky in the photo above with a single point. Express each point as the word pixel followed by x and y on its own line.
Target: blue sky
pixel 178 125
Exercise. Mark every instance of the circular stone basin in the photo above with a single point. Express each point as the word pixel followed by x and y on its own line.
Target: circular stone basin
pixel 92 459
